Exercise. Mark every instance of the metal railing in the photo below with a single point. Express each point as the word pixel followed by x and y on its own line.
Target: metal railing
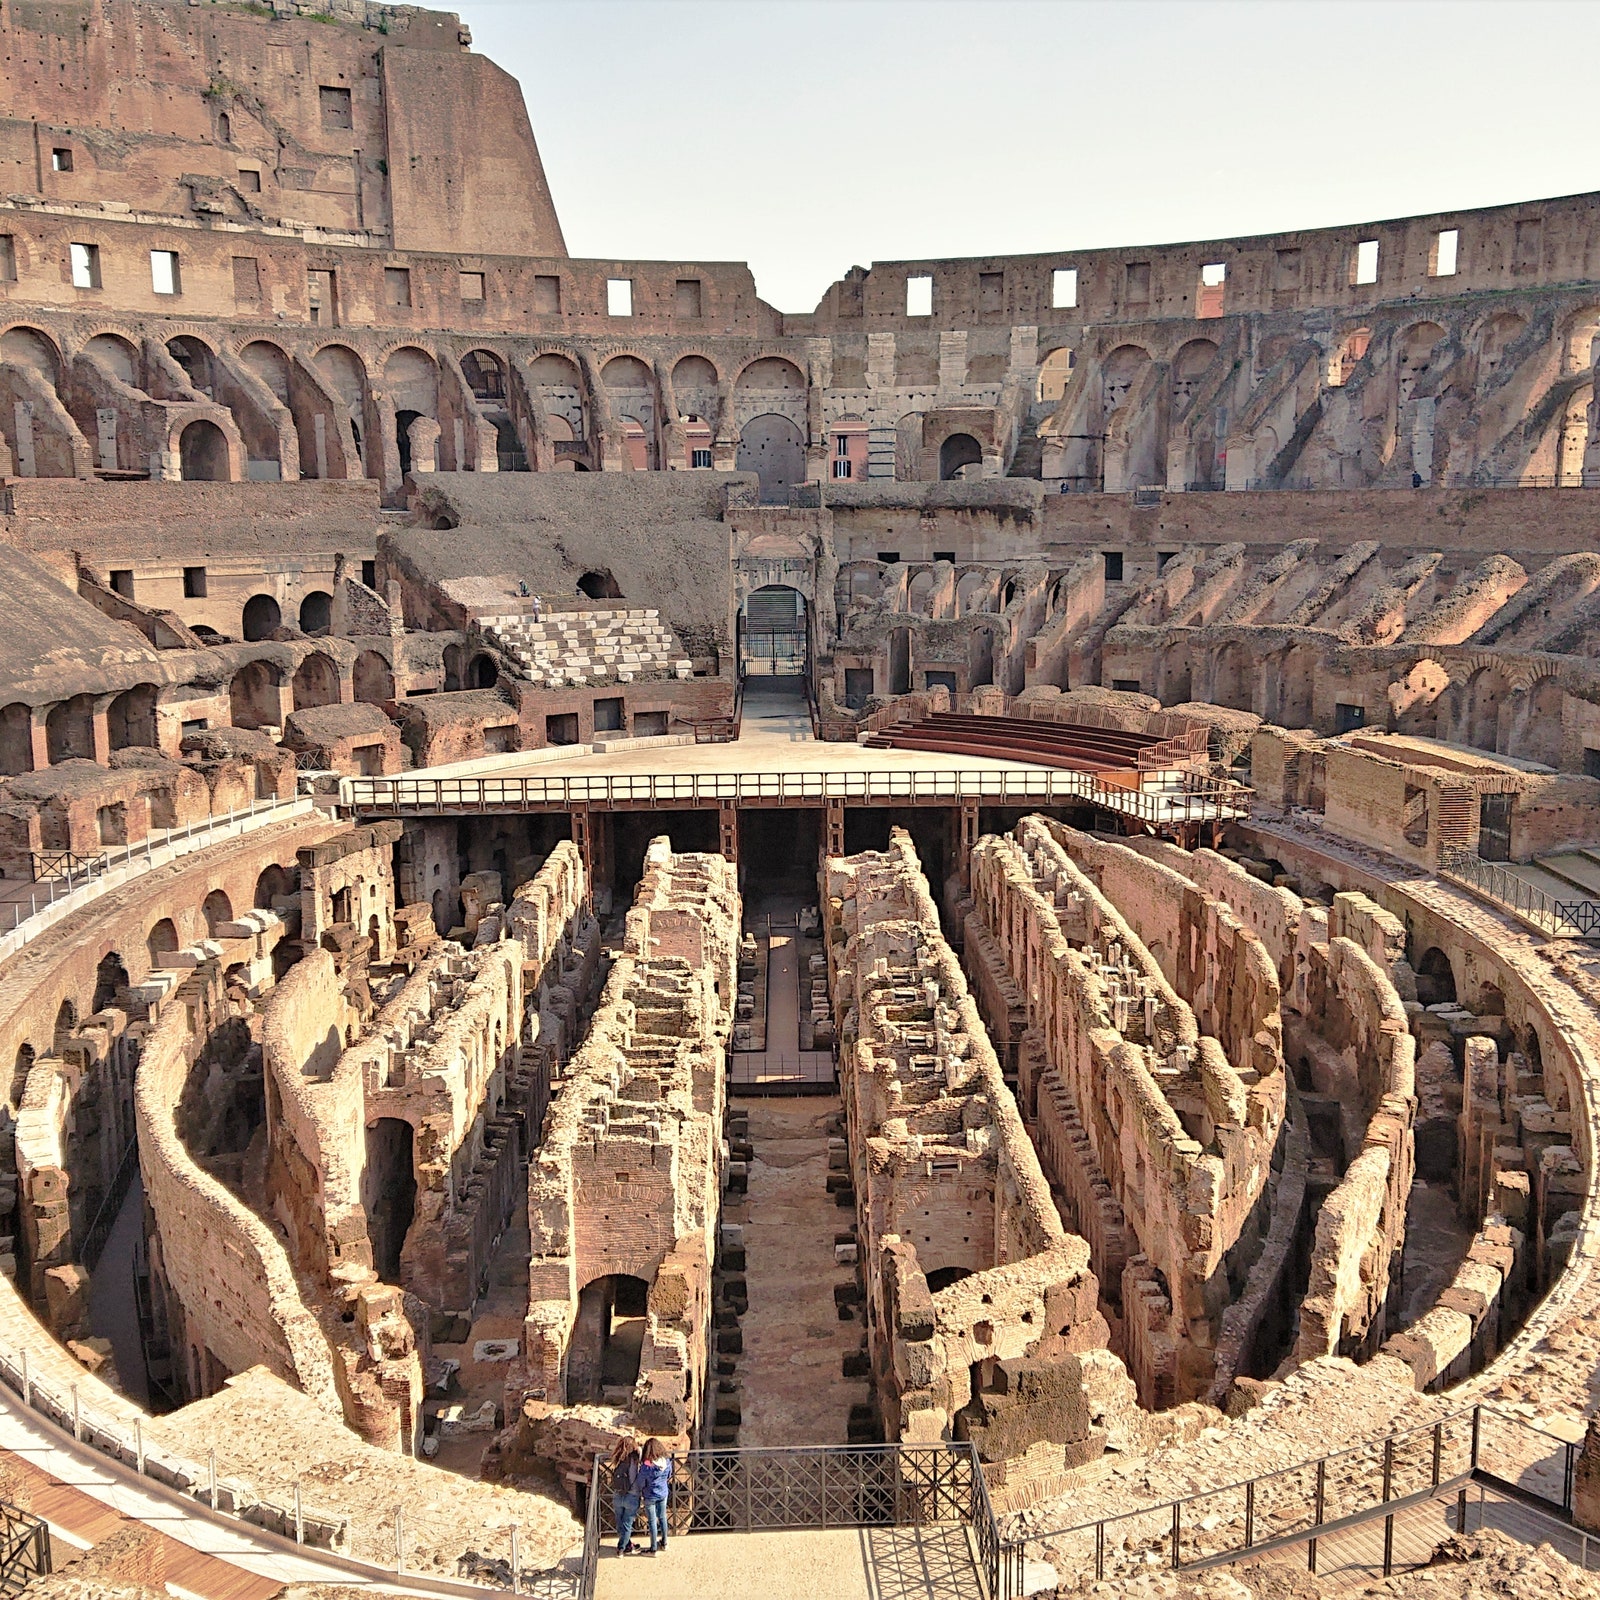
pixel 1192 799
pixel 765 1072
pixel 819 1486
pixel 1562 919
pixel 63 864
pixel 25 1552
pixel 99 1229
pixel 81 871
pixel 1376 1480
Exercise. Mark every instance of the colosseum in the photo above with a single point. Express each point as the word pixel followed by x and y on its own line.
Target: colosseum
pixel 977 908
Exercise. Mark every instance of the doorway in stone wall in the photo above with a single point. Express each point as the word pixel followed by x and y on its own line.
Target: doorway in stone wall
pixel 389 1192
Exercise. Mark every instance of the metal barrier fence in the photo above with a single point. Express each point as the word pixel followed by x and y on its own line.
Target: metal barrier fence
pixel 1562 919
pixel 25 1552
pixel 62 873
pixel 822 1486
pixel 99 1229
pixel 771 1072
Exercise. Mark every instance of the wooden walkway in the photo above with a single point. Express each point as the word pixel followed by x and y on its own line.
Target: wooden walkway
pixel 78 1522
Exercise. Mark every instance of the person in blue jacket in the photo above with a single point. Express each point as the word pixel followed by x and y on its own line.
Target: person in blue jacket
pixel 655 1479
pixel 625 1468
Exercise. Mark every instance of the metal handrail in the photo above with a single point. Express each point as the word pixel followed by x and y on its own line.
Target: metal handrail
pixel 99 1229
pixel 25 1551
pixel 73 879
pixel 1574 919
pixel 1196 799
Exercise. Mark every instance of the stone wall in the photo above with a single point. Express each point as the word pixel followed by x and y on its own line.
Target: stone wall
pixel 983 1315
pixel 625 1184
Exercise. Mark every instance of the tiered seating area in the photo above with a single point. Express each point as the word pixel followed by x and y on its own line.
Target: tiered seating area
pixel 1049 744
pixel 572 649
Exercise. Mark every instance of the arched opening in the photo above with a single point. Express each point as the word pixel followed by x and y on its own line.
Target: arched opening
pixel 195 359
pixel 943 1277
pixel 483 673
pixel 1543 733
pixel 274 883
pixel 69 730
pixel 960 456
pixel 27 347
pixel 1436 982
pixel 389 1192
pixel 372 680
pixel 1485 690
pixel 110 980
pixel 608 1340
pixel 1123 368
pixel 1188 367
pixel 161 940
pixel 1416 356
pixel 262 617
pixel 131 718
pixel 217 908
pixel 773 633
pixel 1296 683
pixel 773 448
pixel 254 698
pixel 271 366
pixel 980 658
pixel 20 1068
pixel 1352 348
pixel 116 355
pixel 635 446
pixel 1055 375
pixel 316 612
pixel 485 374
pixel 203 453
pixel 66 1026
pixel 316 683
pixel 402 438
pixel 919 594
pixel 973 593
pixel 1233 682
pixel 599 586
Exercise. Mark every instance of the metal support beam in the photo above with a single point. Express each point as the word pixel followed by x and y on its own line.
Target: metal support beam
pixel 728 830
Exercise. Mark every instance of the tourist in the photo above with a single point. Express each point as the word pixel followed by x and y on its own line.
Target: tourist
pixel 625 1472
pixel 655 1479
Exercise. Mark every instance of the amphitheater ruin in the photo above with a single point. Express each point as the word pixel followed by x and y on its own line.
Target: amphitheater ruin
pixel 977 907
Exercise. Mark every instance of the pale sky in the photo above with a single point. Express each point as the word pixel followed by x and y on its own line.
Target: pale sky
pixel 804 136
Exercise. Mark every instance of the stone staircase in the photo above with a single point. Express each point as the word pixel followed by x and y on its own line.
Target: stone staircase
pixel 575 649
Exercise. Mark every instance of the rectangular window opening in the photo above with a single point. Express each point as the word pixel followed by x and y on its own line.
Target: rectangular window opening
pixel 322 297
pixel 991 291
pixel 1113 561
pixel 547 295
pixel 334 103
pixel 8 258
pixel 1136 282
pixel 250 180
pixel 1064 288
pixel 246 278
pixel 687 298
pixel 700 458
pixel 945 555
pixel 1442 258
pixel 194 583
pixel 61 160
pixel 471 285
pixel 1364 267
pixel 85 259
pixel 888 557
pixel 122 581
pixel 397 286
pixel 919 294
pixel 1213 286
pixel 619 297
pixel 1162 558
pixel 164 271
pixel 369 574
pixel 1286 271
pixel 1591 763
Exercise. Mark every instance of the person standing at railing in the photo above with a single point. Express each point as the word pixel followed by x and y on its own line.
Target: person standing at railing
pixel 625 1469
pixel 655 1479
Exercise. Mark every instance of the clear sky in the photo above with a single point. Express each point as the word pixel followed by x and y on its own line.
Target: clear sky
pixel 804 136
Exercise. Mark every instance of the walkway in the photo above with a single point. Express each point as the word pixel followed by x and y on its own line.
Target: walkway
pixel 113 1313
pixel 824 1564
pixel 794 1343
pixel 775 709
